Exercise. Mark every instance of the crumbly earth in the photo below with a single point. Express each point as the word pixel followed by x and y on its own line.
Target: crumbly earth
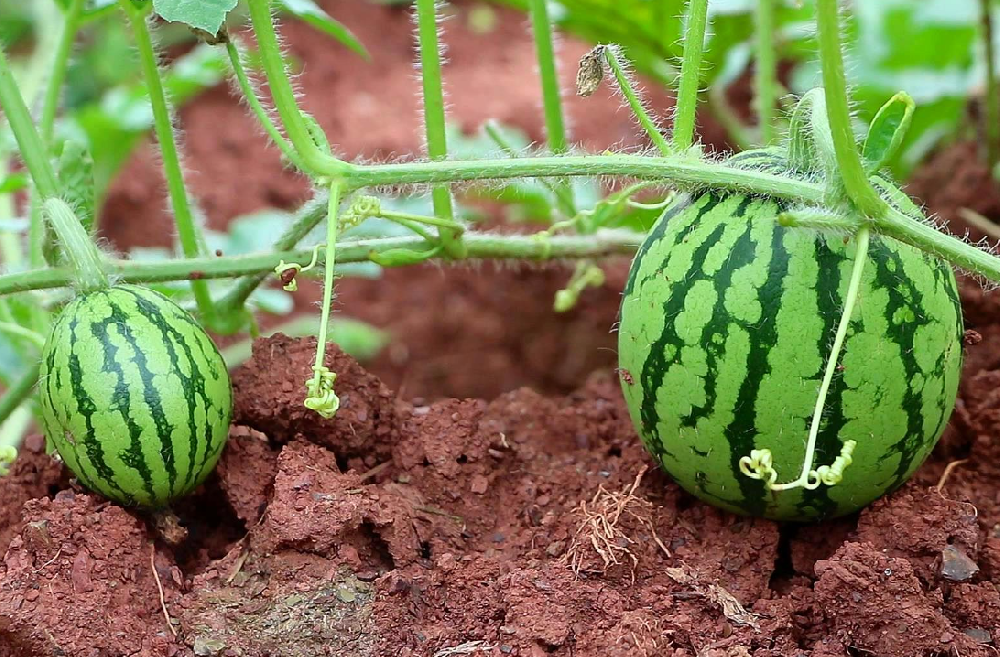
pixel 481 492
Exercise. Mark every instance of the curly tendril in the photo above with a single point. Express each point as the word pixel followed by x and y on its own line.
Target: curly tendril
pixel 832 474
pixel 759 465
pixel 287 271
pixel 322 398
pixel 361 208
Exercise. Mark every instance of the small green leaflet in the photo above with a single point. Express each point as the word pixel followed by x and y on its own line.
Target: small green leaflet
pixel 887 131
pixel 310 12
pixel 205 15
pixel 13 183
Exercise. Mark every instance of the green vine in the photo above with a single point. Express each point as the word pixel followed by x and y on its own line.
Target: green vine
pixel 188 232
pixel 690 80
pixel 322 397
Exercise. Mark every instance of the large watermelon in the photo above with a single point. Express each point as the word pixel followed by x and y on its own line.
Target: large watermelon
pixel 725 329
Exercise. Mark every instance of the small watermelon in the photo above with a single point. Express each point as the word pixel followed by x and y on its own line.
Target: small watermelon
pixel 135 396
pixel 726 325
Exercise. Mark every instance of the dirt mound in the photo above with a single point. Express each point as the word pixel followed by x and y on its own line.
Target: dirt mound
pixel 525 525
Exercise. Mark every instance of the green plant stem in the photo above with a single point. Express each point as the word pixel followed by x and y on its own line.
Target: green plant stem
pixel 992 87
pixel 555 124
pixel 835 87
pixel 328 274
pixel 676 169
pixel 563 194
pixel 316 161
pixel 611 54
pixel 35 157
pixel 765 70
pixel 84 258
pixel 59 67
pixel 422 219
pixel 481 245
pixel 310 215
pixel 850 301
pixel 923 236
pixel 32 150
pixel 250 94
pixel 434 116
pixel 187 230
pixel 20 391
pixel 687 89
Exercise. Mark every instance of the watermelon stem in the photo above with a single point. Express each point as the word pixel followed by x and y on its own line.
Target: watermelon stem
pixel 188 231
pixel 434 118
pixel 322 397
pixel 555 123
pixel 765 70
pixel 638 106
pixel 86 260
pixel 821 219
pixel 759 464
pixel 318 162
pixel 682 136
pixel 859 189
pixel 251 93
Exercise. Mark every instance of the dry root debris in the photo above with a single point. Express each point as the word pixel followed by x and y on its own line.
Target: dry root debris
pixel 601 528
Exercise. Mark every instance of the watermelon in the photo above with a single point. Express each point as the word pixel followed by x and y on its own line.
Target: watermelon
pixel 135 396
pixel 726 325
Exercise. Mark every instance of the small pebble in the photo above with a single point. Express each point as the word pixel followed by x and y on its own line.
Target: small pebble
pixel 956 565
pixel 979 635
pixel 479 484
pixel 346 594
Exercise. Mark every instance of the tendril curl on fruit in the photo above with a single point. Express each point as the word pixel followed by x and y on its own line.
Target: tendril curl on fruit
pixel 760 465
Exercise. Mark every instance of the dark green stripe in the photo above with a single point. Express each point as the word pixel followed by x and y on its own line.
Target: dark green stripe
pixel 193 385
pixel 704 204
pixel 742 254
pixel 903 294
pixel 656 367
pixel 741 433
pixel 87 409
pixel 121 398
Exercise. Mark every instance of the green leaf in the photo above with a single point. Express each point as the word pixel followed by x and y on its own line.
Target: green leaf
pixel 15 182
pixel 311 13
pixel 887 130
pixel 358 339
pixel 208 15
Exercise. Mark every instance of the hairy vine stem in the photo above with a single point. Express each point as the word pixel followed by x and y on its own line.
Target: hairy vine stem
pixel 480 245
pixel 849 164
pixel 765 70
pixel 555 124
pixel 188 232
pixel 687 90
pixel 434 117
pixel 318 162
